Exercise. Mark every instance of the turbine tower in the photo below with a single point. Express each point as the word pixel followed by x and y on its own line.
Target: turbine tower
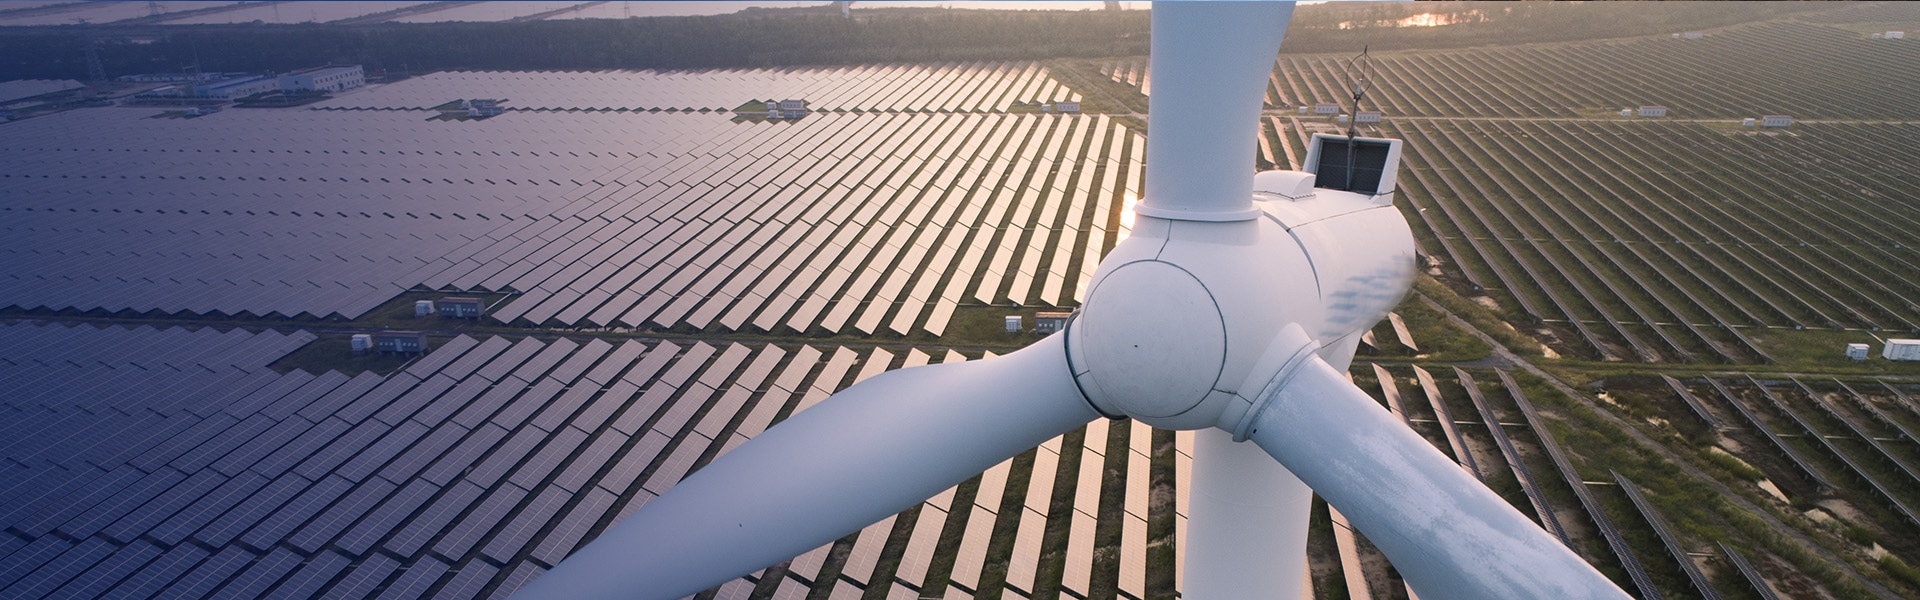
pixel 1233 309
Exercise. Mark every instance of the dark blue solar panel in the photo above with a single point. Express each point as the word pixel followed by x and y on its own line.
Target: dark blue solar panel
pixel 137 440
pixel 597 411
pixel 483 407
pixel 307 580
pixel 373 401
pixel 615 363
pixel 439 358
pixel 494 508
pixel 415 459
pixel 365 576
pixel 25 560
pixel 43 520
pixel 467 454
pixel 534 367
pixel 315 389
pixel 254 581
pixel 340 449
pixel 414 583
pixel 622 477
pixel 567 535
pixel 149 515
pixel 201 581
pixel 234 437
pixel 559 447
pixel 333 401
pixel 517 411
pixel 506 457
pixel 414 399
pixel 147 582
pixel 206 508
pixel 341 514
pixel 251 511
pixel 385 519
pixel 590 461
pixel 509 360
pixel 267 395
pixel 434 519
pixel 382 451
pixel 301 448
pixel 282 522
pixel 113 508
pixel 473 577
pixel 472 360
pixel 581 359
pixel 95 582
pixel 517 578
pixel 436 412
pixel 44 491
pixel 252 454
pixel 57 572
pixel 179 444
pixel 519 529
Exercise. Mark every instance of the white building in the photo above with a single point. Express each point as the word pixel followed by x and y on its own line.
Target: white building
pixel 1367 116
pixel 1898 349
pixel 1775 121
pixel 787 109
pixel 1747 122
pixel 326 79
pixel 1653 111
pixel 236 88
pixel 1693 35
pixel 1857 351
pixel 482 108
pixel 1896 35
pixel 1326 108
pixel 1066 106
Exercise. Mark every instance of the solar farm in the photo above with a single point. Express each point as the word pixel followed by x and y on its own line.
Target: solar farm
pixel 1629 327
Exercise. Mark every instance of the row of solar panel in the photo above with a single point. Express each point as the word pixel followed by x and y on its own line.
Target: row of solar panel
pixel 839 236
pixel 495 457
pixel 967 87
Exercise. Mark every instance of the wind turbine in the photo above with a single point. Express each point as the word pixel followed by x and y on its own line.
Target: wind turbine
pixel 1233 309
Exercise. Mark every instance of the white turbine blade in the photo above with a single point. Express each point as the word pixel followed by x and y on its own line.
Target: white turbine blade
pixel 869 451
pixel 1247 529
pixel 1210 66
pixel 1446 533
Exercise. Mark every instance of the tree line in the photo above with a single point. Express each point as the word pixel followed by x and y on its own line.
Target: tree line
pixel 750 40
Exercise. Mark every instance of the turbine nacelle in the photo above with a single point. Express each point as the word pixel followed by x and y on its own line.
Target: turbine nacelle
pixel 1188 322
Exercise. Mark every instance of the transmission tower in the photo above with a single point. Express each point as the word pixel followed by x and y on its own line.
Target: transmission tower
pixel 96 73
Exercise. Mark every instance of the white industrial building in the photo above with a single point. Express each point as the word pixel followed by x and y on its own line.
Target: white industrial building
pixel 787 109
pixel 236 88
pixel 332 78
pixel 1896 35
pixel 1326 108
pixel 1775 121
pixel 1367 116
pixel 1653 111
pixel 1898 349
pixel 1857 351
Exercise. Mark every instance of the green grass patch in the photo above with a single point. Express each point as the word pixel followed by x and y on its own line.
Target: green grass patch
pixel 1479 316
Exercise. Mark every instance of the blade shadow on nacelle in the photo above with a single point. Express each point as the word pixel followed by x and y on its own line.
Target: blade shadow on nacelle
pixel 867 452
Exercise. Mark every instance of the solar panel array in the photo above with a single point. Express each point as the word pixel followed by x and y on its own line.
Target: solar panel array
pixel 962 87
pixel 95 12
pixel 837 222
pixel 294 12
pixel 171 463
